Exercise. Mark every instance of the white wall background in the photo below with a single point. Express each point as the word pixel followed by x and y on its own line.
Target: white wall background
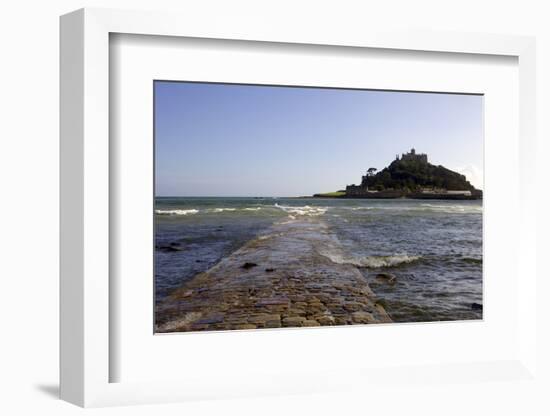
pixel 29 208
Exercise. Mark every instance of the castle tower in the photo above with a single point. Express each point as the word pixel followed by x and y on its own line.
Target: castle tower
pixel 413 156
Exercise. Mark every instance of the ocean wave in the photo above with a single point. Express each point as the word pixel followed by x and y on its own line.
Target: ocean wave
pixel 306 210
pixel 371 262
pixel 176 211
pixel 450 209
pixel 204 211
pixel 216 210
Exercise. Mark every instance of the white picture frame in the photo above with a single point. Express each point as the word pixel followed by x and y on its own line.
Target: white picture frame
pixel 86 265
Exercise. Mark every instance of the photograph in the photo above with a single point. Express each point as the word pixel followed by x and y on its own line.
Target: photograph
pixel 302 206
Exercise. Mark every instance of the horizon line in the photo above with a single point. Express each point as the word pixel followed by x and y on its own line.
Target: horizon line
pixel 232 196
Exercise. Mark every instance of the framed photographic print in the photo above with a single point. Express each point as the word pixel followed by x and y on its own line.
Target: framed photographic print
pixel 243 241
pixel 265 211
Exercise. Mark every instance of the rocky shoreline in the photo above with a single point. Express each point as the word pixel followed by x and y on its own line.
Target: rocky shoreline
pixel 403 195
pixel 280 279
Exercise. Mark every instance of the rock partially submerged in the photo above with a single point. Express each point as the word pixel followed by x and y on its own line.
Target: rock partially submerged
pixel 307 290
pixel 477 306
pixel 386 278
pixel 168 248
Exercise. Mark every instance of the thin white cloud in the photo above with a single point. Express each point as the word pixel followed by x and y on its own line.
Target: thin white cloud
pixel 473 174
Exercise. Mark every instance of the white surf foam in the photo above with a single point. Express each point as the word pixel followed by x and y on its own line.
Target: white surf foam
pixel 443 208
pixel 306 210
pixel 451 209
pixel 223 209
pixel 176 211
pixel 371 262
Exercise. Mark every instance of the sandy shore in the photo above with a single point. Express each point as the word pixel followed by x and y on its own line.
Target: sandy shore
pixel 281 279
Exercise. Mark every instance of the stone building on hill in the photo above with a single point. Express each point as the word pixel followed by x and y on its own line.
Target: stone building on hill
pixel 413 156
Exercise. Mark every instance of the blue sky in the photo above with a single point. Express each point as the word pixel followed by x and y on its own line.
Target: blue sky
pixel 242 140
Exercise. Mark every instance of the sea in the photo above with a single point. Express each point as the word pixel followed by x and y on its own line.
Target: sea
pixel 430 249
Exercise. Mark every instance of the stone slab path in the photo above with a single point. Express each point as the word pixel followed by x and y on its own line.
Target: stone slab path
pixel 282 279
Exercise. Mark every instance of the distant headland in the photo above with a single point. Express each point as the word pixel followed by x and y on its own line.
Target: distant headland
pixel 410 176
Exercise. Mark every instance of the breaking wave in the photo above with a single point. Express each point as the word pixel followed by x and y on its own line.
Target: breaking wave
pixel 223 209
pixel 306 210
pixel 371 262
pixel 176 211
pixel 425 207
pixel 203 211
pixel 453 208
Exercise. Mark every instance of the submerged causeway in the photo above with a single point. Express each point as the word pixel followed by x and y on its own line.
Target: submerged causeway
pixel 280 279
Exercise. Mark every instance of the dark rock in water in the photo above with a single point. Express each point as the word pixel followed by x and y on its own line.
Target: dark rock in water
pixel 386 278
pixel 167 249
pixel 174 244
pixel 198 261
pixel 477 306
pixel 248 265
pixel 269 270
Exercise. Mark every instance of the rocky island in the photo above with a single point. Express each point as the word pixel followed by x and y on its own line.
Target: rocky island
pixel 410 176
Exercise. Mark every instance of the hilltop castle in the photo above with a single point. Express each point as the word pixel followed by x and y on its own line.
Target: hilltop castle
pixel 413 156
